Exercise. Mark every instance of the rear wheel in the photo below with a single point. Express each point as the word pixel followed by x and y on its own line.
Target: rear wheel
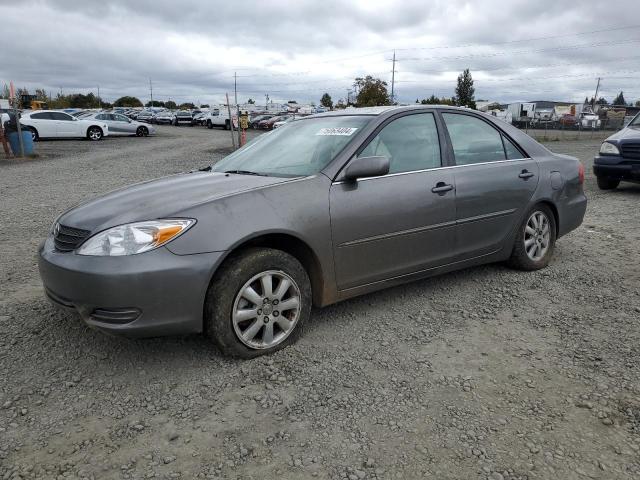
pixel 257 303
pixel 227 125
pixel 535 240
pixel 94 134
pixel 142 132
pixel 605 183
pixel 209 124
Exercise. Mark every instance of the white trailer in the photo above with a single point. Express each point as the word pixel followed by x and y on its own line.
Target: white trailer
pixel 522 113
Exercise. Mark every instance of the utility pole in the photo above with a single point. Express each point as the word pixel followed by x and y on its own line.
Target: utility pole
pixel 235 87
pixel 595 97
pixel 99 102
pixel 235 94
pixel 151 91
pixel 233 138
pixel 393 78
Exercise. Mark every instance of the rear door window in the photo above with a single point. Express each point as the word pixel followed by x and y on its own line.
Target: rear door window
pixel 473 140
pixel 61 116
pixel 511 150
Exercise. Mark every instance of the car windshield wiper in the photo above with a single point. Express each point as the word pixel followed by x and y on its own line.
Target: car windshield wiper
pixel 245 172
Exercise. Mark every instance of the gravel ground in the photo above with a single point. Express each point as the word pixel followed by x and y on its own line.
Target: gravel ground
pixel 485 373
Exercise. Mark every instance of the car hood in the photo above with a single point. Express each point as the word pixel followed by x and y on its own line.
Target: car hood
pixel 626 133
pixel 162 198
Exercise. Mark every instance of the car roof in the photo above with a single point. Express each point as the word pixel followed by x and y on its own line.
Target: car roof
pixel 376 111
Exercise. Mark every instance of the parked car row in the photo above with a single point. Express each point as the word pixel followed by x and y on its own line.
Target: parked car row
pixel 91 125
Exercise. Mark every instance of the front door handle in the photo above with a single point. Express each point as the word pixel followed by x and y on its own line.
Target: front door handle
pixel 525 174
pixel 441 188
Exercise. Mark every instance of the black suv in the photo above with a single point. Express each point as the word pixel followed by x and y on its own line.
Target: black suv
pixel 183 117
pixel 619 157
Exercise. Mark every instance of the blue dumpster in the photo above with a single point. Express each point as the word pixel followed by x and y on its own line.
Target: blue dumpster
pixel 27 140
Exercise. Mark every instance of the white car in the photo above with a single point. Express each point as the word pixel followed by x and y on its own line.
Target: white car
pixel 120 124
pixel 54 124
pixel 218 118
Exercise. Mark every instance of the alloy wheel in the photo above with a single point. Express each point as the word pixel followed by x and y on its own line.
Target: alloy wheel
pixel 95 134
pixel 266 309
pixel 537 236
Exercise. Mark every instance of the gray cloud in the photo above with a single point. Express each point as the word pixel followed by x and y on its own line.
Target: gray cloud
pixel 299 49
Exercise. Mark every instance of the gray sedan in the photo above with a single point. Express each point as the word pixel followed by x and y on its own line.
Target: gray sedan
pixel 318 211
pixel 120 124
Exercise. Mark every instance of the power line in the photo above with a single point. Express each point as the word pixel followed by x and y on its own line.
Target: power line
pixel 550 37
pixel 443 47
pixel 520 52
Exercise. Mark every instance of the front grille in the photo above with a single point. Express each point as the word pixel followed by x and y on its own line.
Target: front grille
pixel 66 239
pixel 631 150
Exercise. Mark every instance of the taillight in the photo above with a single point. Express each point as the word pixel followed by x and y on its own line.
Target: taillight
pixel 580 173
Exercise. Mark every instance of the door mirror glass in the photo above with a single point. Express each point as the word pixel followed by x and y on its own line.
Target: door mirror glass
pixel 363 167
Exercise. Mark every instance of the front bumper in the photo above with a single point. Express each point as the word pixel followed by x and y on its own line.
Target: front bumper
pixel 617 167
pixel 150 294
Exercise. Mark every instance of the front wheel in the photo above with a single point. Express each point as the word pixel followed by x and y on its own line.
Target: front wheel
pixel 94 134
pixel 257 303
pixel 535 240
pixel 142 132
pixel 34 134
pixel 227 125
pixel 605 183
pixel 209 124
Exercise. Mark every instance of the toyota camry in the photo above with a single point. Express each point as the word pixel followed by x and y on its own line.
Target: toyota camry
pixel 320 210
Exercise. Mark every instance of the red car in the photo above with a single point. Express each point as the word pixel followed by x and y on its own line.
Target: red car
pixel 568 120
pixel 268 123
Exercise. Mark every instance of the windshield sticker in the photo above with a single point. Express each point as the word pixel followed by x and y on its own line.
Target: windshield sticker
pixel 342 131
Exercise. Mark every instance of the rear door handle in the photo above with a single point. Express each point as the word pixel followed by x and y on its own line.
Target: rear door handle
pixel 526 174
pixel 441 188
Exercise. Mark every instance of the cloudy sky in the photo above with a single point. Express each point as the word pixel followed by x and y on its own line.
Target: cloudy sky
pixel 295 49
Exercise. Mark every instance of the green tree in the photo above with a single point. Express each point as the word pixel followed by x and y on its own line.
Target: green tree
pixel 251 101
pixel 5 91
pixel 204 105
pixel 326 101
pixel 372 92
pixel 602 101
pixel 433 100
pixel 170 104
pixel 619 100
pixel 465 90
pixel 187 106
pixel 42 95
pixel 155 103
pixel 637 103
pixel 127 101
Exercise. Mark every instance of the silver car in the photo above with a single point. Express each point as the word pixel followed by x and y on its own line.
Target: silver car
pixel 320 210
pixel 120 125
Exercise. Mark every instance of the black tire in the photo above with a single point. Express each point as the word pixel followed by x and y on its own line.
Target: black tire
pixel 94 134
pixel 209 124
pixel 227 125
pixel 520 259
pixel 605 183
pixel 226 285
pixel 142 132
pixel 34 134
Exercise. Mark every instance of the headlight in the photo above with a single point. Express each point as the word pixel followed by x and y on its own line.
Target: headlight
pixel 134 237
pixel 609 149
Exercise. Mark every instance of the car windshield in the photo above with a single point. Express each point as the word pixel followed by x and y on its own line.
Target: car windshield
pixel 635 122
pixel 295 149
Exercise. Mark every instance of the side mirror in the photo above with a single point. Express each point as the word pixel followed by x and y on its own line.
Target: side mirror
pixel 363 167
